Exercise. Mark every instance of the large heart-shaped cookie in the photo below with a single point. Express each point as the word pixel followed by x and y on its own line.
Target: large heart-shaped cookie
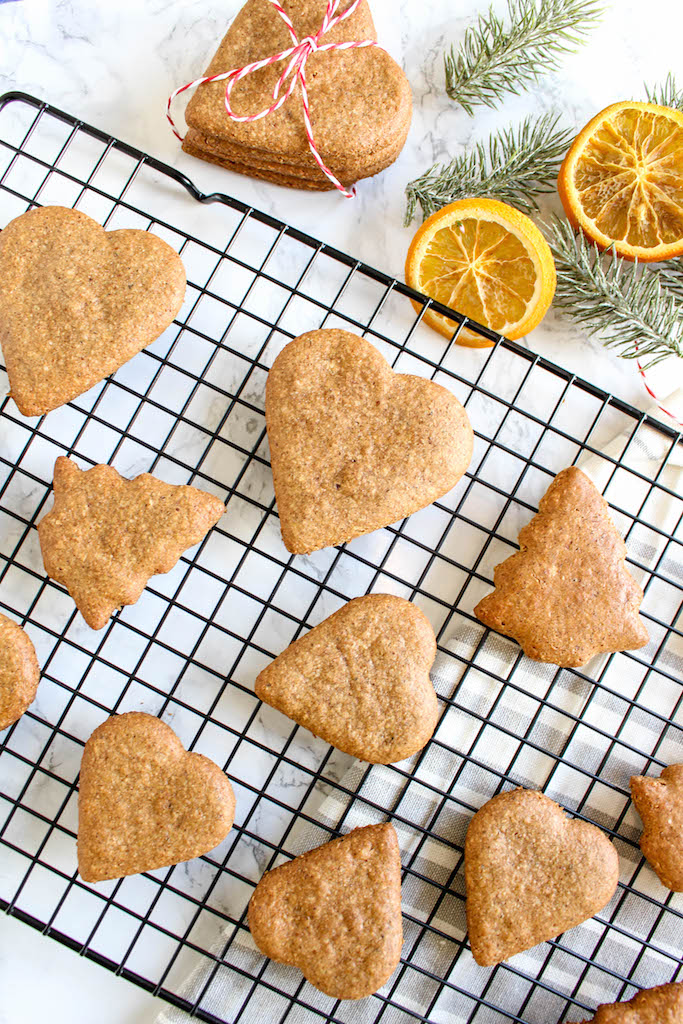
pixel 144 802
pixel 19 671
pixel 335 912
pixel 105 535
pixel 355 446
pixel 360 679
pixel 76 302
pixel 531 873
pixel 360 100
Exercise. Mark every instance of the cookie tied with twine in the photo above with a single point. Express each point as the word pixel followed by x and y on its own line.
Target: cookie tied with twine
pixel 300 94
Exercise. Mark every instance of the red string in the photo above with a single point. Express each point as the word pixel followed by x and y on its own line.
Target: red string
pixel 297 56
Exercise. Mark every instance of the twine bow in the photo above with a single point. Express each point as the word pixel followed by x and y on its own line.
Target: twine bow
pixel 295 70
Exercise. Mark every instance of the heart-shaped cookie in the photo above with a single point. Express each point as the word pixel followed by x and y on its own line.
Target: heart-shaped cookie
pixel 353 445
pixel 335 912
pixel 662 1004
pixel 531 873
pixel 76 302
pixel 19 671
pixel 360 679
pixel 360 100
pixel 659 803
pixel 105 535
pixel 144 802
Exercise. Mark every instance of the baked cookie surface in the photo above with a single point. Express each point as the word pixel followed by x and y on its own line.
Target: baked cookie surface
pixel 360 101
pixel 19 671
pixel 355 446
pixel 531 873
pixel 335 912
pixel 659 803
pixel 105 535
pixel 145 802
pixel 662 1004
pixel 76 302
pixel 360 679
pixel 567 594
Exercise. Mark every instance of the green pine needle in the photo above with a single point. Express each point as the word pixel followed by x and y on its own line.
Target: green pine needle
pixel 513 166
pixel 495 59
pixel 666 94
pixel 627 304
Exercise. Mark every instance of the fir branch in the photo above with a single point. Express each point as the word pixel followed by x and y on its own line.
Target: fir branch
pixel 625 303
pixel 513 166
pixel 666 94
pixel 494 59
pixel 671 276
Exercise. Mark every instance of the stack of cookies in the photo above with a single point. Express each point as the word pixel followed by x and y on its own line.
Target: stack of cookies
pixel 360 101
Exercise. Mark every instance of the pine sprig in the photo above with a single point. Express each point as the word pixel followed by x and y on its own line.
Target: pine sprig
pixel 625 303
pixel 514 165
pixel 495 59
pixel 666 94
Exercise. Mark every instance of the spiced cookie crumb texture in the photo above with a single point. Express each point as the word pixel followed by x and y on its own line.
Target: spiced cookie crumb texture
pixel 567 594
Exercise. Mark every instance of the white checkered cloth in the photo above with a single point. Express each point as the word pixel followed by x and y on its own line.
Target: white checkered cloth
pixel 226 994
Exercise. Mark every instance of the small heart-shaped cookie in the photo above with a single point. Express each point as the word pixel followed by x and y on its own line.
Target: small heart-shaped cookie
pixel 19 671
pixel 531 873
pixel 76 302
pixel 360 679
pixel 353 445
pixel 567 595
pixel 144 802
pixel 359 99
pixel 106 535
pixel 662 1004
pixel 335 912
pixel 659 803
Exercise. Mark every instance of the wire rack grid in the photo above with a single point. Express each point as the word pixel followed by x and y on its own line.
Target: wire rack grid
pixel 190 409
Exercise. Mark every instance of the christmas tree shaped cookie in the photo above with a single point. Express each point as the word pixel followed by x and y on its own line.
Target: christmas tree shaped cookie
pixel 659 803
pixel 335 912
pixel 106 536
pixel 567 594
pixel 359 99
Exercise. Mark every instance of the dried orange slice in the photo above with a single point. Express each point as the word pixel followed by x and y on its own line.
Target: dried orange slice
pixel 487 260
pixel 622 180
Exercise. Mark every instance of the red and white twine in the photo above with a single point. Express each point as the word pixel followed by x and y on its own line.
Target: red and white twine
pixel 296 56
pixel 656 398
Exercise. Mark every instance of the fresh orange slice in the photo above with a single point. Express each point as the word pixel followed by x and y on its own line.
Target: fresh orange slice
pixel 484 259
pixel 622 180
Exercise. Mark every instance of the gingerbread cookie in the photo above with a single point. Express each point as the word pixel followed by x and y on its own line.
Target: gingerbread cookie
pixel 144 802
pixel 355 446
pixel 567 594
pixel 531 873
pixel 77 302
pixel 662 1004
pixel 106 536
pixel 360 679
pixel 335 912
pixel 659 803
pixel 360 101
pixel 19 671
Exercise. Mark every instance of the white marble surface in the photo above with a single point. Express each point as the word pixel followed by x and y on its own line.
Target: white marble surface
pixel 115 64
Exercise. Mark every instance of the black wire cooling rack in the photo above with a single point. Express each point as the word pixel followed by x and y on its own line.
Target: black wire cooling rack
pixel 190 409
